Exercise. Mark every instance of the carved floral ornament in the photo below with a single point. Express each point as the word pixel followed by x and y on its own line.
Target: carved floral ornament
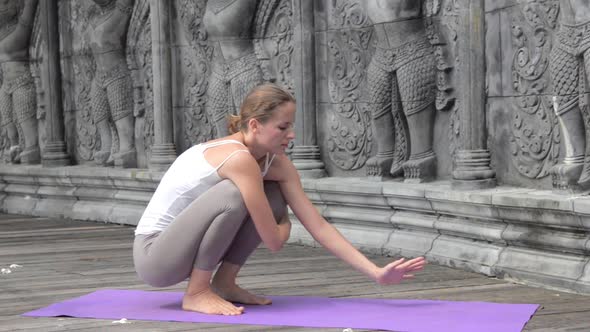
pixel 535 136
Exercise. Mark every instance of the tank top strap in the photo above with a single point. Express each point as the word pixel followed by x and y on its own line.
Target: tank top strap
pixel 267 163
pixel 229 156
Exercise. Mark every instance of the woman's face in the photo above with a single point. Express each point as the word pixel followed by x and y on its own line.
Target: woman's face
pixel 276 133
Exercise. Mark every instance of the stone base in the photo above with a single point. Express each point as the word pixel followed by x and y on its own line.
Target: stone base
pixel 532 236
pixel 77 192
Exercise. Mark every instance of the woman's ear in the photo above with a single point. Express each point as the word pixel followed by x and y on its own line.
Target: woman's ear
pixel 253 125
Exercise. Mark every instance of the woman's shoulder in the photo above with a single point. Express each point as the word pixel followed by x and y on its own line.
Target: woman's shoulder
pixel 230 139
pixel 281 169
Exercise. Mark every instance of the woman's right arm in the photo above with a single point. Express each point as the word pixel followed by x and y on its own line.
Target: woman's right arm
pixel 244 172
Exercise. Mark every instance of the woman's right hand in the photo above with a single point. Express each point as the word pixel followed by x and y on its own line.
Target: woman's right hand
pixel 395 272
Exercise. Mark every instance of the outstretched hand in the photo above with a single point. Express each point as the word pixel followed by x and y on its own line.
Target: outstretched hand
pixel 395 272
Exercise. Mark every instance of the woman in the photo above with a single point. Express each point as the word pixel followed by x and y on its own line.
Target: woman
pixel 220 199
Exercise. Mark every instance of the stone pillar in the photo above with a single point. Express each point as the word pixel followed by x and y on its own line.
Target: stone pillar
pixel 54 153
pixel 163 149
pixel 306 152
pixel 472 159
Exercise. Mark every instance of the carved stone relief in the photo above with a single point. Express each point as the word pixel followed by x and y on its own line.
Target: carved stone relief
pixel 238 33
pixel 195 60
pixel 403 65
pixel 279 43
pixel 77 72
pixel 402 83
pixel 350 134
pixel 569 70
pixel 550 73
pixel 18 121
pixel 227 56
pixel 111 92
pixel 442 21
pixel 36 60
pixel 139 60
pixel 111 80
pixel 535 137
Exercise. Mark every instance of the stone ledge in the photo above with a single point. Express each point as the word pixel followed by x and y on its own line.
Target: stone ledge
pixel 78 192
pixel 532 236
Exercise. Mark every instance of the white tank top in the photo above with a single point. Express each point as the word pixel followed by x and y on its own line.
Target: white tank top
pixel 188 177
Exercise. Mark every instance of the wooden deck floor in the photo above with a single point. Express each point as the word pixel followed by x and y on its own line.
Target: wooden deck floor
pixel 64 259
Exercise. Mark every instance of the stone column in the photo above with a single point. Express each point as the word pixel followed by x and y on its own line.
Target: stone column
pixel 472 159
pixel 54 153
pixel 306 152
pixel 163 149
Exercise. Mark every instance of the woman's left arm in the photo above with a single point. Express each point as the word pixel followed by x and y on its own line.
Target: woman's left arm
pixel 330 238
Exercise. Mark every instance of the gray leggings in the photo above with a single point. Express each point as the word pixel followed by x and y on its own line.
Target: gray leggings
pixel 215 227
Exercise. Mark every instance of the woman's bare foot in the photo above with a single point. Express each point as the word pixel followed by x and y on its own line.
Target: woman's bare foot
pixel 235 293
pixel 208 302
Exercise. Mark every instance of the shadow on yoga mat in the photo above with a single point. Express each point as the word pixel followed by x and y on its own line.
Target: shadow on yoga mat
pixel 381 314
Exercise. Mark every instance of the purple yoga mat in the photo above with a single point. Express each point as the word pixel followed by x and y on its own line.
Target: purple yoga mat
pixel 393 315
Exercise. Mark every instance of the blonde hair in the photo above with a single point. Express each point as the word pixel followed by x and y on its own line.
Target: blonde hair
pixel 259 104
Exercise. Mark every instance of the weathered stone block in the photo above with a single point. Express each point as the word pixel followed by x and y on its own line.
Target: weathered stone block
pixel 139 197
pixel 536 199
pixel 59 207
pixel 464 209
pixel 583 284
pixel 335 191
pixel 20 204
pixel 368 239
pixel 94 210
pixel 93 193
pixel 410 242
pixel 21 189
pixel 540 267
pixel 527 236
pixel 463 253
pixel 126 214
pixel 406 196
pixel 56 191
pixel 538 216
pixel 357 215
pixel 469 228
pixel 413 220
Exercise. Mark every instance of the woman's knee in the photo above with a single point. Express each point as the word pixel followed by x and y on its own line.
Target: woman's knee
pixel 161 273
pixel 230 194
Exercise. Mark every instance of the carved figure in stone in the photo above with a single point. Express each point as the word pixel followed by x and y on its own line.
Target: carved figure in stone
pixel 17 87
pixel 401 79
pixel 112 89
pixel 232 28
pixel 570 68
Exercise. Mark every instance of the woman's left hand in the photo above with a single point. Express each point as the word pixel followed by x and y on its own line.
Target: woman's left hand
pixel 395 272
